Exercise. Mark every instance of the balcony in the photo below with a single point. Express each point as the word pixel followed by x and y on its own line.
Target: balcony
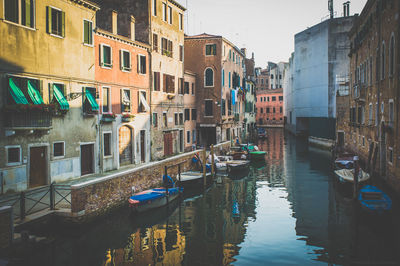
pixel 359 92
pixel 27 120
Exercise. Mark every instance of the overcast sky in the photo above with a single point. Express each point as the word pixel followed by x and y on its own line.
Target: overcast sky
pixel 265 27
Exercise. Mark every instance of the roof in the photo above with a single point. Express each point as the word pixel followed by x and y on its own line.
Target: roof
pixel 210 36
pixel 121 38
pixel 177 4
pixel 88 4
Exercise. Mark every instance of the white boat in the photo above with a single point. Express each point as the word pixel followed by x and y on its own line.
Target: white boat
pixel 220 165
pixel 347 175
pixel 193 179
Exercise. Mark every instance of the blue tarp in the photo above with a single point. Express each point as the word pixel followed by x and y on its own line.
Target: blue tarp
pixel 148 196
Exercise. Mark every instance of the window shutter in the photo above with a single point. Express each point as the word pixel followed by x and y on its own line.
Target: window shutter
pixel 138 63
pixel 130 61
pixel 41 88
pixel 121 59
pixel 85 32
pixel 158 80
pixel 111 56
pixel 48 24
pixel 63 24
pixel 51 94
pixel 144 66
pixel 90 32
pixel 101 55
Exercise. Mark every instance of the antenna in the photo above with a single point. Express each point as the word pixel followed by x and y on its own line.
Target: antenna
pixel 330 8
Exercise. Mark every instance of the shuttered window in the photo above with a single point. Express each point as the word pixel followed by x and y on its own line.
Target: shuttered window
pixel 88 32
pixel 55 21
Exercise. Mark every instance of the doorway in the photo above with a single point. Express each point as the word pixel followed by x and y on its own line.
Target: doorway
pixel 37 166
pixel 181 140
pixel 125 145
pixel 168 148
pixel 87 159
pixel 143 145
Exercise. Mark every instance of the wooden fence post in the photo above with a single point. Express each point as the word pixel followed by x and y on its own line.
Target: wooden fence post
pixel 212 160
pixel 204 167
pixel 355 181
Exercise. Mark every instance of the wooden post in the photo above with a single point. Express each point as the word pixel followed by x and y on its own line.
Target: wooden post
pixel 52 197
pixel 204 167
pixel 166 176
pixel 179 177
pixel 355 181
pixel 212 160
pixel 22 205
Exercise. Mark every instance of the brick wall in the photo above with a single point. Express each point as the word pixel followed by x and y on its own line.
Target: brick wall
pixel 100 195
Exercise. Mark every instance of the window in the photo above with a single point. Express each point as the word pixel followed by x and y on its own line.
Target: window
pixel 180 21
pixel 272 76
pixel 164 9
pixel 281 110
pixel 223 106
pixel 125 101
pixel 194 136
pixel 20 11
pixel 383 62
pixel 154 7
pixel 181 53
pixel 176 119
pixel 187 114
pixel 370 70
pixel 166 47
pixel 169 83
pixel 229 79
pixel 87 32
pixel 55 22
pixel 262 110
pixel 106 100
pixel 211 49
pixel 262 81
pixel 261 99
pixel 223 77
pixel 208 108
pixel 376 114
pixel 280 98
pixel 89 100
pixel 192 88
pixel 209 78
pixel 125 57
pixel 390 155
pixel 180 118
pixel 187 136
pixel 170 14
pixel 14 156
pixel 273 98
pixel 370 116
pixel 156 81
pixel 391 57
pixel 266 110
pixel 105 56
pixel 273 110
pixel 107 144
pixel 155 42
pixel 59 149
pixel 155 120
pixel 194 114
pixel 141 64
pixel 165 121
pixel 391 112
pixel 186 88
pixel 180 86
pixel 143 106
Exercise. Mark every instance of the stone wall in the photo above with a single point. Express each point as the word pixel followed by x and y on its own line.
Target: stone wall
pixel 100 195
pixel 6 226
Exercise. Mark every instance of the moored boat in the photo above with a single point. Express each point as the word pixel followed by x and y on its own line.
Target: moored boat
pixel 347 175
pixel 373 200
pixel 237 165
pixel 153 198
pixel 193 179
pixel 257 155
pixel 344 163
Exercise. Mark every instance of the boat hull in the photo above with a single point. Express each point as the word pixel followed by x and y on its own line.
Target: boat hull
pixel 345 176
pixel 257 156
pixel 374 201
pixel 194 180
pixel 162 200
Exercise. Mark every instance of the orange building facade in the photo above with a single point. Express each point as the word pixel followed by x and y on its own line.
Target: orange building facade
pixel 122 73
pixel 269 106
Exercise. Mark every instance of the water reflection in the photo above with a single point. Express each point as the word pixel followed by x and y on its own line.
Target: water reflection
pixel 288 210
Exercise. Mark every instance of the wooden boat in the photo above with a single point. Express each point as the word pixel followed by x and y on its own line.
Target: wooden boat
pixel 347 175
pixel 344 163
pixel 153 198
pixel 237 165
pixel 193 179
pixel 374 200
pixel 221 164
pixel 237 153
pixel 257 155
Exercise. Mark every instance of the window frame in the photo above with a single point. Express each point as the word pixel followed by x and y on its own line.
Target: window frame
pixel 122 60
pixel 110 145
pixel 152 117
pixel 213 51
pixel 188 137
pixel 140 101
pixel 390 155
pixel 102 64
pixel 109 99
pixel 130 101
pixel 205 77
pixel 91 33
pixel 205 107
pixel 392 56
pixel 154 7
pixel 164 11
pixel 140 69
pixel 391 114
pixel 20 155
pixel 170 15
pixel 19 16
pixel 50 30
pixel 52 149
pixel 181 21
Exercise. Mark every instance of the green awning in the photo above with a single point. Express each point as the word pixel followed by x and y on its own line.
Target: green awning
pixel 16 93
pixel 64 105
pixel 34 94
pixel 92 100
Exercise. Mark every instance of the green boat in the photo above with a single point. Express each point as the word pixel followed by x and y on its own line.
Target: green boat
pixel 257 155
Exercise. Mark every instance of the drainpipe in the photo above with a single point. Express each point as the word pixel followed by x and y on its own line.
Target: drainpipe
pixel 150 84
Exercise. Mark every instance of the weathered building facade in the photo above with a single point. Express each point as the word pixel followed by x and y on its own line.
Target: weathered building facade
pixel 190 110
pixel 320 58
pixel 48 90
pixel 250 100
pixel 371 128
pixel 219 66
pixel 122 74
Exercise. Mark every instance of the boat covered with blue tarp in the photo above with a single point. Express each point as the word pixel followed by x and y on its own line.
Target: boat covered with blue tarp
pixel 374 200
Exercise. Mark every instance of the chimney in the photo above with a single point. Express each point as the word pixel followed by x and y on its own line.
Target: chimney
pixel 330 8
pixel 114 19
pixel 132 28
pixel 252 55
pixel 243 50
pixel 346 9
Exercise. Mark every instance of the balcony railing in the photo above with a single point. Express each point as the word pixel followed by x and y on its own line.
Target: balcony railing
pixel 28 120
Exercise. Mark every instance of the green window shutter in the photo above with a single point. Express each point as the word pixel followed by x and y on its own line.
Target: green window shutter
pixel 215 49
pixel 16 93
pixel 63 24
pixel 48 15
pixel 121 58
pixel 85 32
pixel 90 32
pixel 34 94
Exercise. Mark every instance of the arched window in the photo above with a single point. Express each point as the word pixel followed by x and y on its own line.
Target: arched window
pixel 383 61
pixel 391 57
pixel 209 77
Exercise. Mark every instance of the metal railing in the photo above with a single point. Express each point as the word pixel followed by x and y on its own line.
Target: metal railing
pixel 28 119
pixel 50 197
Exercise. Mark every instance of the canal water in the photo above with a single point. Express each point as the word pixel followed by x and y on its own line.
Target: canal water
pixel 287 211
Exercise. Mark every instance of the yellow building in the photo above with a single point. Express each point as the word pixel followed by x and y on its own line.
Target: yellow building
pixel 49 123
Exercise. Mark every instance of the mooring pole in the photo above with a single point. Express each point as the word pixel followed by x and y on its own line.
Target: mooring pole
pixel 356 173
pixel 212 160
pixel 204 167
pixel 165 183
pixel 179 177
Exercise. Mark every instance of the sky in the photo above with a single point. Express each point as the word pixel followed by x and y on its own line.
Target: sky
pixel 265 27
